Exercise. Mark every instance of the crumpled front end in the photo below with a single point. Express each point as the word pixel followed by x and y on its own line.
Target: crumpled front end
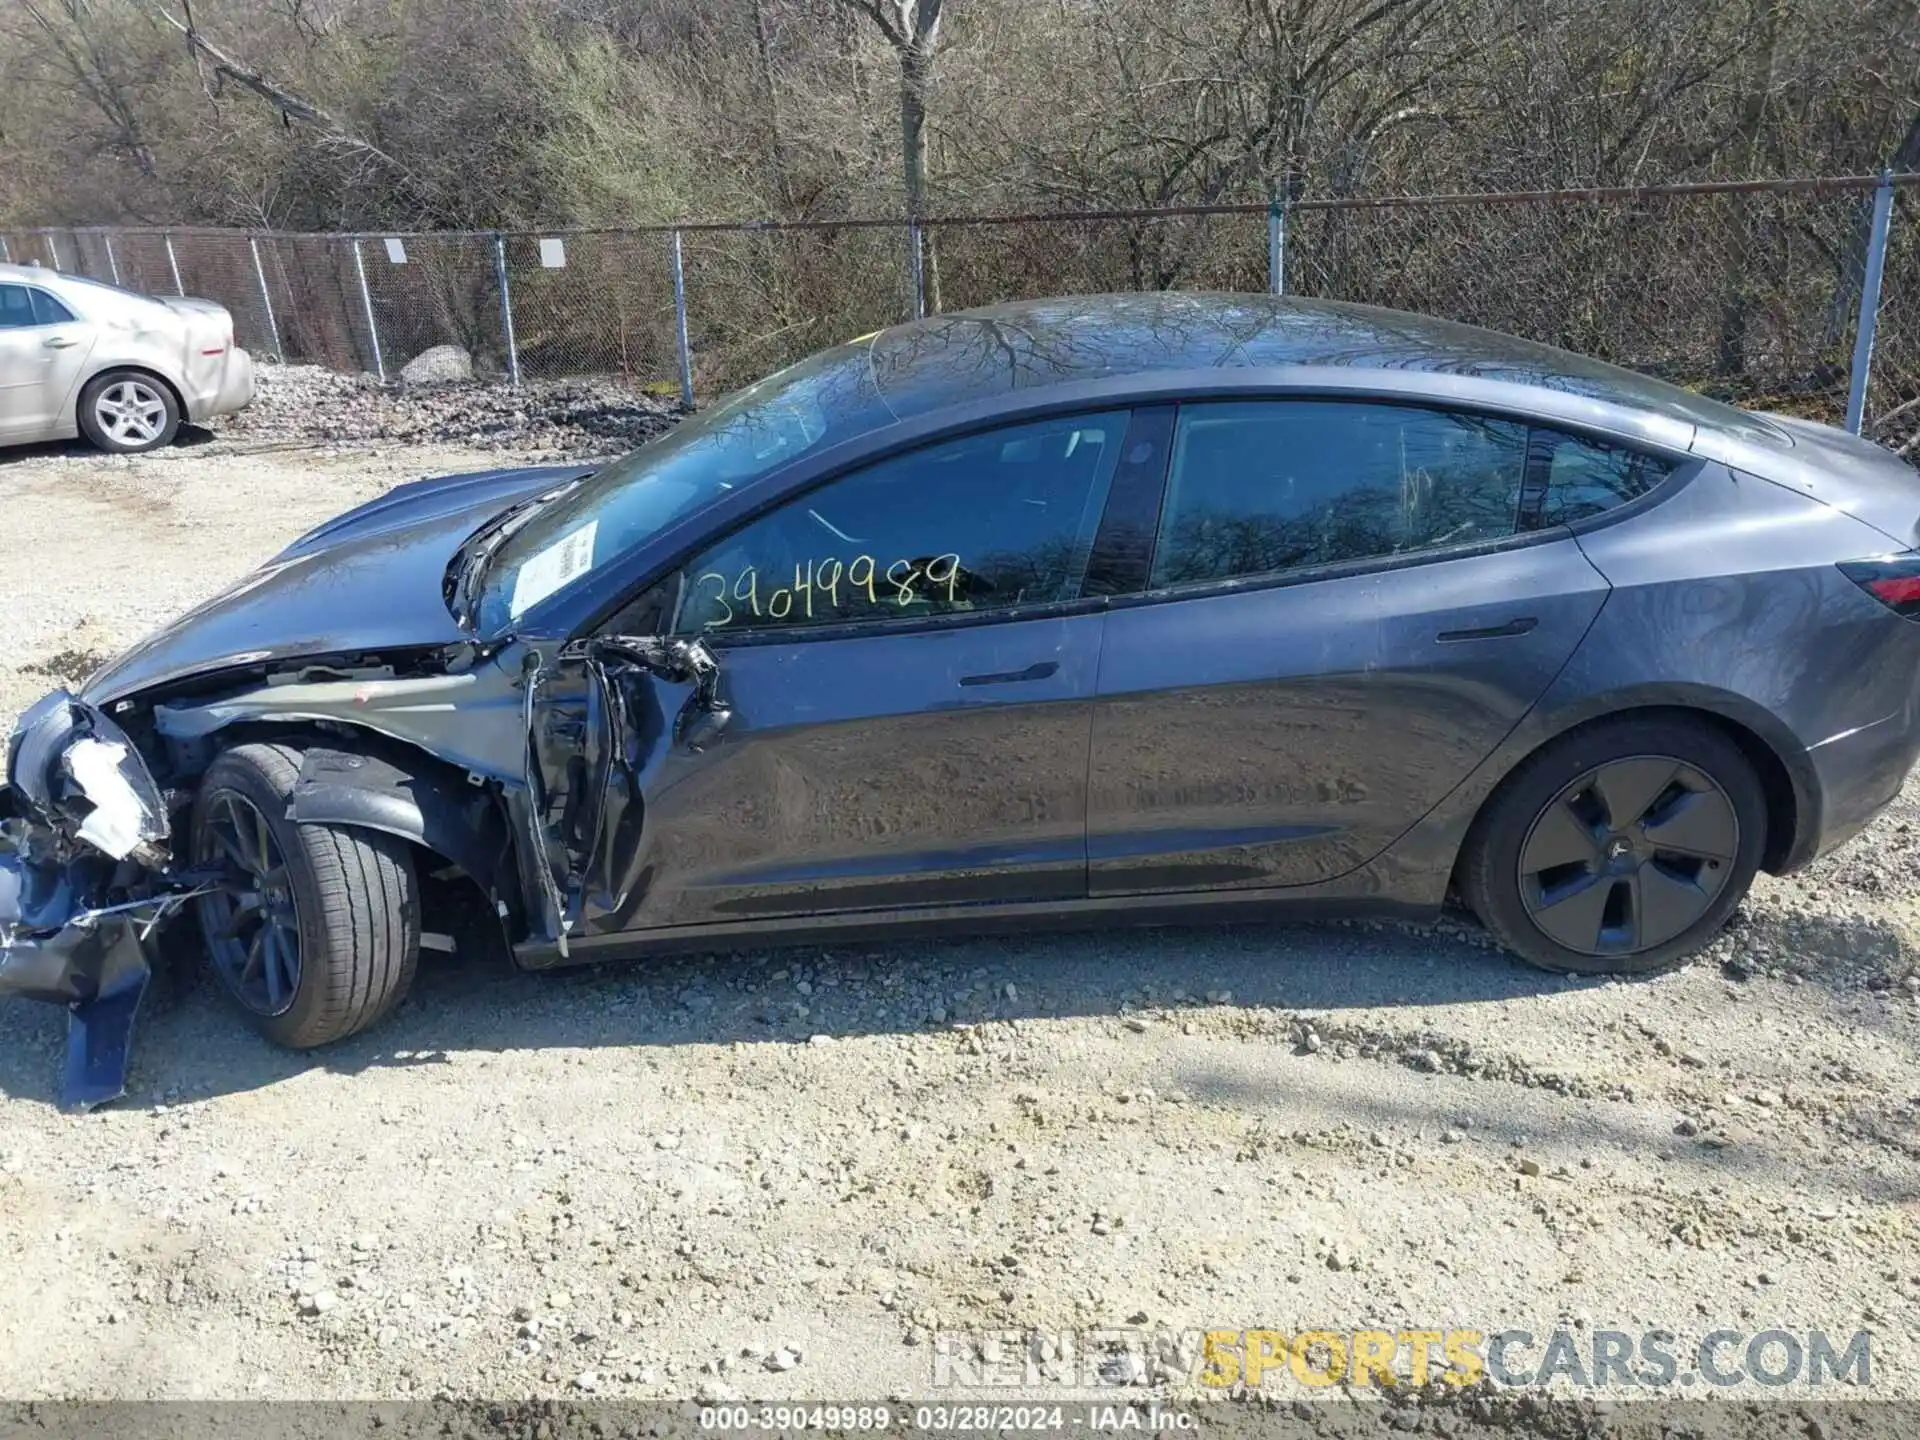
pixel 86 879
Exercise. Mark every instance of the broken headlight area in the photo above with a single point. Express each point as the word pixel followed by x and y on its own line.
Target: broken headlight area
pixel 85 882
pixel 76 772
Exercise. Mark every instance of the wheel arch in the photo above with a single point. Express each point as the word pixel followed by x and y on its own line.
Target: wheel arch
pixel 131 367
pixel 1786 774
pixel 356 777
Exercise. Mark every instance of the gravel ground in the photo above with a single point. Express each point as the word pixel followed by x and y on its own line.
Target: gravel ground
pixel 780 1174
pixel 304 406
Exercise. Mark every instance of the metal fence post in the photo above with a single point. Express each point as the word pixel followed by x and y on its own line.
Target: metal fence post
pixel 53 251
pixel 917 267
pixel 173 264
pixel 506 306
pixel 680 323
pixel 6 255
pixel 1276 248
pixel 1869 303
pixel 113 264
pixel 366 303
pixel 266 299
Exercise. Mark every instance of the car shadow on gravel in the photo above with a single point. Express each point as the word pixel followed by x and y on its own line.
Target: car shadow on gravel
pixel 190 436
pixel 194 1044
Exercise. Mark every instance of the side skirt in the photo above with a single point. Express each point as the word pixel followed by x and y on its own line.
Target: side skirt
pixel 1197 908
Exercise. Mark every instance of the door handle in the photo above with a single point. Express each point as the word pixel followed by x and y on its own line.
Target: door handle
pixel 1039 670
pixel 57 342
pixel 1519 626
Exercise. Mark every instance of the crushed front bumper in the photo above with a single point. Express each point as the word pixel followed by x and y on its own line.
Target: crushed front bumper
pixel 85 883
pixel 93 961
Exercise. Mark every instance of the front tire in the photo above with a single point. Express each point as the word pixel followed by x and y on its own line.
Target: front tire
pixel 1618 849
pixel 128 412
pixel 318 934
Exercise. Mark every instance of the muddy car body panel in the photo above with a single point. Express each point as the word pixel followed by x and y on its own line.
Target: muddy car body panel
pixel 725 691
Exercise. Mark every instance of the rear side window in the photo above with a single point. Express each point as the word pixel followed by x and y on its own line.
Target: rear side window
pixel 1001 520
pixel 47 310
pixel 1265 487
pixel 1588 477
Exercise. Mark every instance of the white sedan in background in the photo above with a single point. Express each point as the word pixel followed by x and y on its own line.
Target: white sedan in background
pixel 79 357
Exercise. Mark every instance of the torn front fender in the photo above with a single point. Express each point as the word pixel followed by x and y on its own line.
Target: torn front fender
pixel 414 798
pixel 600 721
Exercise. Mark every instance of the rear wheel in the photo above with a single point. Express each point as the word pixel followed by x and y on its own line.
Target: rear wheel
pixel 317 932
pixel 1621 848
pixel 128 412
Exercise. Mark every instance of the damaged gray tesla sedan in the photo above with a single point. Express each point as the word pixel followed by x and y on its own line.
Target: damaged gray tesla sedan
pixel 1101 609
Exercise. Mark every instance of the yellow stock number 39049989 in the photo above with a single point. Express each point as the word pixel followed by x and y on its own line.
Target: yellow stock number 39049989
pixel 742 598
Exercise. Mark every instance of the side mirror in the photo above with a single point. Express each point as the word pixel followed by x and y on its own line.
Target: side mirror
pixel 700 727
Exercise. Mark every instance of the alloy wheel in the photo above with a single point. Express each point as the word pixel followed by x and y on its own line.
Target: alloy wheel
pixel 1628 856
pixel 131 412
pixel 252 927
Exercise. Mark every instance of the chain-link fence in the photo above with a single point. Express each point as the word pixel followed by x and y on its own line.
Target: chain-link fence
pixel 1793 294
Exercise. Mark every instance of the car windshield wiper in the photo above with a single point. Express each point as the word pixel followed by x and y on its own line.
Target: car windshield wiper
pixel 468 569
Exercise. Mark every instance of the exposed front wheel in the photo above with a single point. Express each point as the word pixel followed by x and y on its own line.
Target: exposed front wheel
pixel 317 932
pixel 127 412
pixel 1622 847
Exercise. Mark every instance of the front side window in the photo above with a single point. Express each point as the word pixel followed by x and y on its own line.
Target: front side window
pixel 1269 486
pixel 1586 477
pixel 1001 520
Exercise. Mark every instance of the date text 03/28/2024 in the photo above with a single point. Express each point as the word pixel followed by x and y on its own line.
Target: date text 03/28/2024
pixel 955 1418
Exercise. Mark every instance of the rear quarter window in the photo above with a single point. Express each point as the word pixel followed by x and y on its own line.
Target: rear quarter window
pixel 47 310
pixel 1583 478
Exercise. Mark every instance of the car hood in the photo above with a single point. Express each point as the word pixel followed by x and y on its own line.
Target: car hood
pixel 367 580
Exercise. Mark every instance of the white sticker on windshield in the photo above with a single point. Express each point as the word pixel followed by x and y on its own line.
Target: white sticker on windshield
pixel 566 559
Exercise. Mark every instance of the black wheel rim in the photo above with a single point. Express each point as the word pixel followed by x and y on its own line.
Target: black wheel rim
pixel 1628 856
pixel 252 927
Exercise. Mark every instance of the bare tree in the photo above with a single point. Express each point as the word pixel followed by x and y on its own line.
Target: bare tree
pixel 912 28
pixel 291 106
pixel 70 31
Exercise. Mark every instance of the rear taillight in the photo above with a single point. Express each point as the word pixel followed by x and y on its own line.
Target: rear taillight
pixel 1893 580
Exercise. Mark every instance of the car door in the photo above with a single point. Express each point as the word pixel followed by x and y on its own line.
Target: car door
pixel 43 348
pixel 1342 616
pixel 906 665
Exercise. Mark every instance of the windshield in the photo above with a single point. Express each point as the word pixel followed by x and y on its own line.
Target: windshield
pixel 806 407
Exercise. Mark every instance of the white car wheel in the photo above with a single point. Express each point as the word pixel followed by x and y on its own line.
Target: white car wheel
pixel 128 412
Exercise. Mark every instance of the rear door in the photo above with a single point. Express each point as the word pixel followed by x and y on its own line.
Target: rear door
pixel 43 349
pixel 1342 616
pixel 908 663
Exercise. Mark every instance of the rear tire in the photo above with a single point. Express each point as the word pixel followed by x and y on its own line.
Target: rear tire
pixel 128 412
pixel 1621 848
pixel 351 897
